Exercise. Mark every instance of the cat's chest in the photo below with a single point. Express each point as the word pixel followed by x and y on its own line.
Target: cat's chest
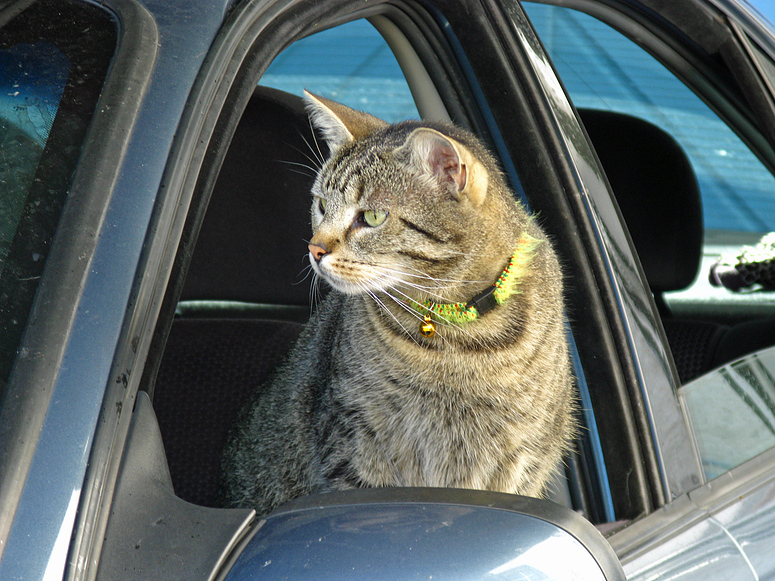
pixel 426 440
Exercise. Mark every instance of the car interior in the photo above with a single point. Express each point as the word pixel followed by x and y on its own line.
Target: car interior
pixel 215 358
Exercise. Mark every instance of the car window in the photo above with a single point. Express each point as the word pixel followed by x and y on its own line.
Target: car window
pixel 259 208
pixel 602 69
pixel 26 114
pixel 731 410
pixel 53 59
pixel 351 64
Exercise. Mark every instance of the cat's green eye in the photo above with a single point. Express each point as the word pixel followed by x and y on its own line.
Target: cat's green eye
pixel 374 217
pixel 322 205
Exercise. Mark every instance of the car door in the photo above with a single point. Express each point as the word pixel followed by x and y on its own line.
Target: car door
pixel 446 85
pixel 62 66
pixel 615 62
pixel 480 65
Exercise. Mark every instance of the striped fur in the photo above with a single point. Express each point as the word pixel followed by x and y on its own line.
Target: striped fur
pixel 364 399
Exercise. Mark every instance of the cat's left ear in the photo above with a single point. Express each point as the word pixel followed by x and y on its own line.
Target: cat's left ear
pixel 338 123
pixel 450 162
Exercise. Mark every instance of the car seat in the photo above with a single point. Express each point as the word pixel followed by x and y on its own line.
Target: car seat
pixel 659 197
pixel 244 296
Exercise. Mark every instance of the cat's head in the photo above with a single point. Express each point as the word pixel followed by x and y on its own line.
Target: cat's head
pixel 415 210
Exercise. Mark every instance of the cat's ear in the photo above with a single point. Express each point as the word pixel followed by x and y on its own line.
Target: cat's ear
pixel 450 162
pixel 338 123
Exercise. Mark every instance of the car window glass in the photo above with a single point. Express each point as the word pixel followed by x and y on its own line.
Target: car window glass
pixel 602 69
pixel 732 412
pixel 26 114
pixel 351 64
pixel 53 59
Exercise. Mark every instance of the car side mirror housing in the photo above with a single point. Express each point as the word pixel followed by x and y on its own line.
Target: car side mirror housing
pixel 420 533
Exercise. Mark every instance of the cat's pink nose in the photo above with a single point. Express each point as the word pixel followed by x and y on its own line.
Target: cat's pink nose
pixel 317 251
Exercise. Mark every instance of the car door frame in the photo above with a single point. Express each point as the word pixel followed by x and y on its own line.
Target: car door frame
pixel 615 301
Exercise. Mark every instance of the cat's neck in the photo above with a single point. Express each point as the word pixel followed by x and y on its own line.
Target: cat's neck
pixel 420 316
pixel 489 297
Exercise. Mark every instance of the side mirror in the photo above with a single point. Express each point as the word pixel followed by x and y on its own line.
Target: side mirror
pixel 415 533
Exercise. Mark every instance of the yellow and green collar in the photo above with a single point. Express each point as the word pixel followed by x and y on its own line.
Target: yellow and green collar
pixel 503 288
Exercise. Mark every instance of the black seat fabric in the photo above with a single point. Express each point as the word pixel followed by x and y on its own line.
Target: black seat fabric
pixel 210 368
pixel 251 248
pixel 659 197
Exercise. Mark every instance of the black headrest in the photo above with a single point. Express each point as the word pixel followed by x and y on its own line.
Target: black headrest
pixel 657 192
pixel 252 243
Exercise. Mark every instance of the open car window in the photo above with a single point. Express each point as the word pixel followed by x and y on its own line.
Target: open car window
pixel 244 320
pixel 351 64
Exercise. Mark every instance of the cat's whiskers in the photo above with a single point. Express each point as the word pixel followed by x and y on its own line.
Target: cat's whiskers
pixel 311 173
pixel 403 275
pixel 397 286
pixel 440 282
pixel 420 317
pixel 314 288
pixel 312 293
pixel 414 307
pixel 434 292
pixel 415 272
pixel 305 273
pixel 316 152
pixel 317 158
pixel 383 306
pixel 315 295
pixel 438 317
pixel 404 304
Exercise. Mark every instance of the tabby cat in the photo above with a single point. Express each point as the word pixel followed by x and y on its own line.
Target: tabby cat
pixel 439 358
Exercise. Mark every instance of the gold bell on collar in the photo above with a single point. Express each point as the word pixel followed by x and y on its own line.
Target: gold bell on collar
pixel 427 327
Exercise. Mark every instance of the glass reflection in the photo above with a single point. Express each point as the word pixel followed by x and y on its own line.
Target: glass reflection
pixel 732 412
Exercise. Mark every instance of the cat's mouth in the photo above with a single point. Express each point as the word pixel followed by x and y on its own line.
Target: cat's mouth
pixel 347 276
